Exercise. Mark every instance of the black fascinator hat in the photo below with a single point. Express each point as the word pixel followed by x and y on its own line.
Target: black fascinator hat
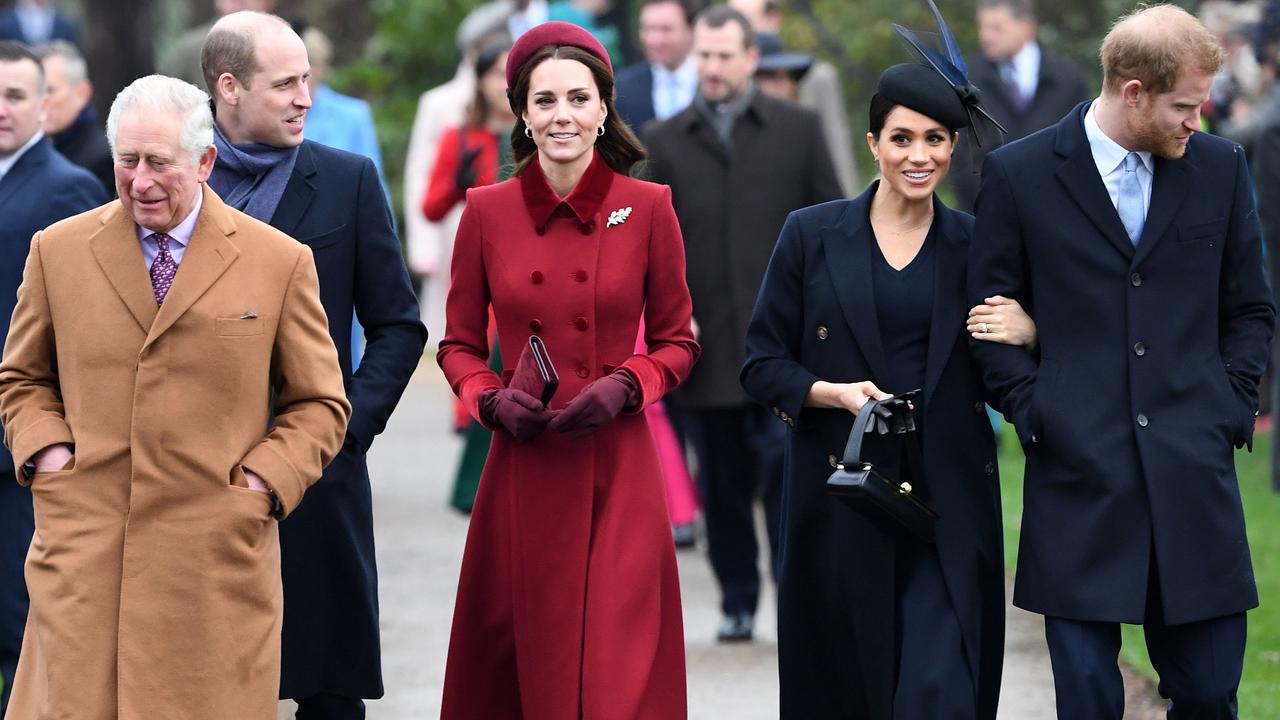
pixel 921 89
pixel 945 64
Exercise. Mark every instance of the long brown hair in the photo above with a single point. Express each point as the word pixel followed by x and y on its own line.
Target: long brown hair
pixel 618 146
pixel 478 110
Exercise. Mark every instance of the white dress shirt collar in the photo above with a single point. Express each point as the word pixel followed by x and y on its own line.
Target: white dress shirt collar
pixel 7 162
pixel 1109 156
pixel 673 90
pixel 1026 68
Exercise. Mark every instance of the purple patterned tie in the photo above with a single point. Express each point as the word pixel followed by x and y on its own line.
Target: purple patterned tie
pixel 163 269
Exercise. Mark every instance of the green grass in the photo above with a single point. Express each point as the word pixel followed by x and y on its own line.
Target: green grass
pixel 1260 687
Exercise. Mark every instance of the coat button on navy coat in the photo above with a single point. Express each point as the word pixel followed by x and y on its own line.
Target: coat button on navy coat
pixel 822 332
pixel 1139 349
pixel 1136 279
pixel 989 468
pixel 1142 420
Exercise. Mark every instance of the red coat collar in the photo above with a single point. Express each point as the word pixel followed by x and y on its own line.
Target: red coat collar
pixel 582 204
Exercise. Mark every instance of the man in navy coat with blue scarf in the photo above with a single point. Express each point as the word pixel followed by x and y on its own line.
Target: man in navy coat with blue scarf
pixel 38 187
pixel 332 201
pixel 1134 242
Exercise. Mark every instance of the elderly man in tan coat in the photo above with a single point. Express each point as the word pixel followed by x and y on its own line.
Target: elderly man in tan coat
pixel 169 390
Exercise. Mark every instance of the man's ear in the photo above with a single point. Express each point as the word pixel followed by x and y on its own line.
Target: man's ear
pixel 1131 91
pixel 228 89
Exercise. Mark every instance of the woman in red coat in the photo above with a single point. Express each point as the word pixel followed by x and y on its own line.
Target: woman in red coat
pixel 569 602
pixel 471 154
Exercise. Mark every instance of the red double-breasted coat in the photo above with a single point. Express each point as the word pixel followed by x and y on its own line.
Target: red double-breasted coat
pixel 569 601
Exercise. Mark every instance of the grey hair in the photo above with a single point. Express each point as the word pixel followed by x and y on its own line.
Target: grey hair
pixel 170 96
pixel 74 67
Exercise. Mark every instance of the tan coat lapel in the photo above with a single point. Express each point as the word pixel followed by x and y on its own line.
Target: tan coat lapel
pixel 115 247
pixel 208 255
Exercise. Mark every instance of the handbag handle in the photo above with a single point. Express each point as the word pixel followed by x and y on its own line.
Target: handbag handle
pixel 853 449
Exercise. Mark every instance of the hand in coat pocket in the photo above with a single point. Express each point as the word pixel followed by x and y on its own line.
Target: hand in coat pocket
pixel 53 458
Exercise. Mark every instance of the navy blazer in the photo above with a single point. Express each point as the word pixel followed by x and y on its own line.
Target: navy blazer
pixel 334 203
pixel 1147 374
pixel 11 29
pixel 633 91
pixel 40 189
pixel 815 319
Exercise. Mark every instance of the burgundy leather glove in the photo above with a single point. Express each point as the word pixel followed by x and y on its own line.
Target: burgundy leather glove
pixel 518 412
pixel 596 405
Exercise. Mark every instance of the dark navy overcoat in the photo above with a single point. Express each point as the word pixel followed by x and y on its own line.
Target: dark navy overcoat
pixel 335 204
pixel 1147 374
pixel 816 320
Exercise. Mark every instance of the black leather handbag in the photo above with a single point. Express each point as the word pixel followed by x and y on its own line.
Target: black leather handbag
pixel 867 489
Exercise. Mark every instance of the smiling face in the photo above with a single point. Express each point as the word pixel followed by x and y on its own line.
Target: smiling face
pixel 914 152
pixel 563 110
pixel 21 104
pixel 271 107
pixel 156 178
pixel 1162 123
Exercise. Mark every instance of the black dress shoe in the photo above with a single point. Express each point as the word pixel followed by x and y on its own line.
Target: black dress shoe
pixel 737 627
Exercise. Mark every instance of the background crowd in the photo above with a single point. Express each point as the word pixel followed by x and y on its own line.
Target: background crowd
pixel 418 87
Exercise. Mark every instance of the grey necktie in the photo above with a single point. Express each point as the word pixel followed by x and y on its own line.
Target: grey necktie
pixel 1130 203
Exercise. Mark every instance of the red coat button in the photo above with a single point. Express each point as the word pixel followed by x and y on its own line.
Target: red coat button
pixel 580 276
pixel 583 372
pixel 581 323
pixel 535 325
pixel 536 277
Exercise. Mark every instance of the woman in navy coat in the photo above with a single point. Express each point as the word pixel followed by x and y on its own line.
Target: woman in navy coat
pixel 864 298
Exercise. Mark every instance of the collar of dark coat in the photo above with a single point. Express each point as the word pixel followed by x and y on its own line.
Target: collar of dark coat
pixel 760 111
pixel 583 203
pixel 856 217
pixel 1070 136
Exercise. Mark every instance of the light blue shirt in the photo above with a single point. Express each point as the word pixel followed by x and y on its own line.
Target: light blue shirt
pixel 673 90
pixel 1109 157
pixel 181 235
pixel 1026 69
pixel 36 22
pixel 343 122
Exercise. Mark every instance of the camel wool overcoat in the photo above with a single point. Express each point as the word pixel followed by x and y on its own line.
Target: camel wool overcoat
pixel 154 572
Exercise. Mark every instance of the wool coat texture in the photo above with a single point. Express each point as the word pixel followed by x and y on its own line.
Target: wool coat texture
pixel 732 199
pixel 154 572
pixel 569 600
pixel 817 319
pixel 1146 377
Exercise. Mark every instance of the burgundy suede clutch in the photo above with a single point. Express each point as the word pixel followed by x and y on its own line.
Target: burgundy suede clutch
pixel 534 372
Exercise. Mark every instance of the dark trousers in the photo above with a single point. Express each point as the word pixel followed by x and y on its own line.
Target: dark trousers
pixel 16 525
pixel 329 707
pixel 934 678
pixel 1199 665
pixel 739 453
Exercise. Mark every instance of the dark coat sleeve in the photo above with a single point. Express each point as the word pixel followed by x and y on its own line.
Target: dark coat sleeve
pixel 388 311
pixel 824 184
pixel 998 266
pixel 772 374
pixel 1246 313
